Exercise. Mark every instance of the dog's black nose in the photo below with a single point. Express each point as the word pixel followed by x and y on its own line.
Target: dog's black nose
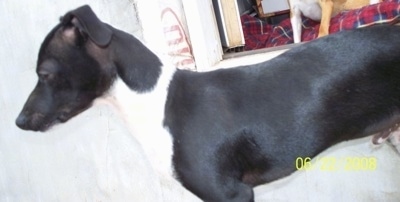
pixel 21 121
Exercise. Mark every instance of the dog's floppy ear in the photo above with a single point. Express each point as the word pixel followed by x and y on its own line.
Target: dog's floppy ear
pixel 97 31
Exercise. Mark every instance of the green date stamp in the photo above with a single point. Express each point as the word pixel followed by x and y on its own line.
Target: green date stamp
pixel 336 164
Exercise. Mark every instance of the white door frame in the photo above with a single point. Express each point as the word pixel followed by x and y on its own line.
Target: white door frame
pixel 203 32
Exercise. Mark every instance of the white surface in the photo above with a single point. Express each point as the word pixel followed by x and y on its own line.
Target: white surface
pixel 94 158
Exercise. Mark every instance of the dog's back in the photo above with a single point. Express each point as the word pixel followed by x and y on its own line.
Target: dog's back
pixel 295 105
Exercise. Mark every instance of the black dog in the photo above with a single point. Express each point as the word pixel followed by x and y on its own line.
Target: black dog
pixel 230 129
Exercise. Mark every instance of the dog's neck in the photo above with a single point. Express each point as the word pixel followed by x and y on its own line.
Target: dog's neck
pixel 143 113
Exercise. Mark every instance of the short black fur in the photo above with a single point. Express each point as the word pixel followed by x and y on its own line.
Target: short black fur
pixel 237 128
pixel 72 72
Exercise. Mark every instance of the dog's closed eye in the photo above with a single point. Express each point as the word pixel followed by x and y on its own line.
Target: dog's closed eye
pixel 47 70
pixel 45 76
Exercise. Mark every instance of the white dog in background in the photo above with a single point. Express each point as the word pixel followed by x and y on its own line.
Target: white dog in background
pixel 320 10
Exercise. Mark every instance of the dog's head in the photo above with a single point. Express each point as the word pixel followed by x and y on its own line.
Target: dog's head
pixel 78 62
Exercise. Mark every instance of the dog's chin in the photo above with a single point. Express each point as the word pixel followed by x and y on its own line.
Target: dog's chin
pixel 48 126
pixel 62 118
